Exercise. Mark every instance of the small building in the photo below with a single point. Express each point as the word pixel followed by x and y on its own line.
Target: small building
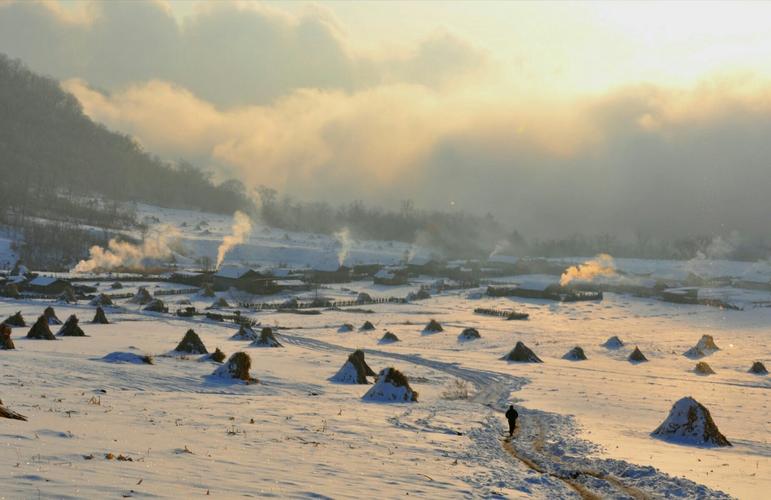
pixel 47 285
pixel 191 278
pixel 391 276
pixel 245 279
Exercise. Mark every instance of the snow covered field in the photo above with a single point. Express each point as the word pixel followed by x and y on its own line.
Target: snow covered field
pixel 296 434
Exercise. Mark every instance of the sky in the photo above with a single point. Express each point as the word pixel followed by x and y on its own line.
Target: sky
pixel 599 117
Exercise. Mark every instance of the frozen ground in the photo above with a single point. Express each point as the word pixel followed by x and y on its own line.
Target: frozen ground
pixel 296 434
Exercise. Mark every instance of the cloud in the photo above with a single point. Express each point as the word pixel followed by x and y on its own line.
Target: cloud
pixel 227 53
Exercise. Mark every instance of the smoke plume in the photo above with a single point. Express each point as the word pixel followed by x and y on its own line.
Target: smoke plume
pixel 344 241
pixel 121 254
pixel 601 265
pixel 242 227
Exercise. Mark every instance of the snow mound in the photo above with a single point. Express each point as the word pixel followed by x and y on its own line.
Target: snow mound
pixel 704 347
pixel 40 330
pixel 689 422
pixel 354 371
pixel 71 328
pixel 522 354
pixel 191 343
pixel 245 332
pixel 469 334
pixel 236 368
pixel 220 303
pixel 702 368
pixel 575 354
pixel 637 356
pixel 101 300
pixel 267 339
pixel 391 386
pixel 128 357
pixel 613 343
pixel 388 338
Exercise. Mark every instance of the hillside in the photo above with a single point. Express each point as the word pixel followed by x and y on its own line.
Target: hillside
pixel 49 147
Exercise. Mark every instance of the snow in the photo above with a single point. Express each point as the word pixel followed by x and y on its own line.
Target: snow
pixel 385 391
pixel 346 375
pixel 686 423
pixel 43 281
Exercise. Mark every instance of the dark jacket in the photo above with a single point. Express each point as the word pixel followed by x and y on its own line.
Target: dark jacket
pixel 511 413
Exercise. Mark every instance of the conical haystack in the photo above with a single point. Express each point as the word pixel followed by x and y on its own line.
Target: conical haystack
pixel 68 295
pixel 6 344
pixel 71 328
pixel 469 334
pixel 142 297
pixel 702 368
pixel 51 317
pixel 689 422
pixel 207 291
pixel 613 343
pixel 704 347
pixel 15 320
pixel 191 343
pixel 391 386
pixel 758 368
pixel 364 298
pixel 217 356
pixel 354 371
pixel 637 356
pixel 245 332
pixel 156 305
pixel 388 338
pixel 100 318
pixel 117 285
pixel 367 326
pixel 433 326
pixel 522 354
pixel 40 330
pixel 267 339
pixel 6 413
pixel 345 327
pixel 575 354
pixel 237 368
pixel 101 300
pixel 220 303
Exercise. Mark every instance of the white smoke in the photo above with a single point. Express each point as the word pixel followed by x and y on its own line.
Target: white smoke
pixel 499 247
pixel 601 265
pixel 344 243
pixel 121 254
pixel 242 227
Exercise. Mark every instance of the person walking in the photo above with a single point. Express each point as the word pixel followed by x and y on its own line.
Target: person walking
pixel 511 416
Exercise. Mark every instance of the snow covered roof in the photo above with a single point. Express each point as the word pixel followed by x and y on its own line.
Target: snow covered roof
pixel 327 263
pixel 503 259
pixel 43 281
pixel 539 282
pixel 233 272
pixel 384 274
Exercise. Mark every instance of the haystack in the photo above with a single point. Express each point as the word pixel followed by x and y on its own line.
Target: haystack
pixel 142 297
pixel 71 328
pixel 469 334
pixel 117 285
pixel 156 305
pixel 575 354
pixel 220 303
pixel 267 339
pixel 364 298
pixel 422 294
pixel 345 327
pixel 6 344
pixel 367 326
pixel 11 291
pixel 40 330
pixel 522 354
pixel 128 357
pixel 433 326
pixel 689 422
pixel 388 338
pixel 16 320
pixel 237 367
pixel 51 317
pixel 637 356
pixel 68 295
pixel 217 356
pixel 101 300
pixel 6 413
pixel 191 343
pixel 99 317
pixel 354 371
pixel 758 368
pixel 704 347
pixel 702 368
pixel 391 385
pixel 613 343
pixel 207 291
pixel 245 332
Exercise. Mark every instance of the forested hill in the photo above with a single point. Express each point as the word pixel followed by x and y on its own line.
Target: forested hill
pixel 48 146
